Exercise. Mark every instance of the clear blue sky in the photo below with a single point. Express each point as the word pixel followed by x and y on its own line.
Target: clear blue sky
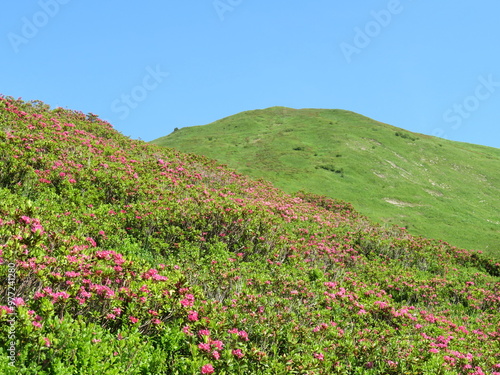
pixel 428 66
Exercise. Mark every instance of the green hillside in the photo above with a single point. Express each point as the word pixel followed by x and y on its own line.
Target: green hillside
pixel 121 257
pixel 434 187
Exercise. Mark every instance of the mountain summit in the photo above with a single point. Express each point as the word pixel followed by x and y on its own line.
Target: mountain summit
pixel 434 187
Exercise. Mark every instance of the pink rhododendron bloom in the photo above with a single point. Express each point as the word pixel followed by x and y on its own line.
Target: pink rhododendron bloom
pixel 243 335
pixel 133 319
pixel 188 301
pixel 207 369
pixel 216 354
pixel 18 301
pixel 204 346
pixel 237 353
pixel 319 356
pixel 217 344
pixel 204 332
pixel 187 330
pixel 193 316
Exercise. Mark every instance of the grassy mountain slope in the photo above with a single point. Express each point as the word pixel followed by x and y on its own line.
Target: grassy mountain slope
pixel 434 187
pixel 121 257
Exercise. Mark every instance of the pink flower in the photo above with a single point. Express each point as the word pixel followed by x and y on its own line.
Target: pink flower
pixel 204 332
pixel 188 301
pixel 204 346
pixel 187 330
pixel 18 301
pixel 243 335
pixel 319 356
pixel 133 319
pixel 433 350
pixel 238 353
pixel 392 363
pixel 216 354
pixel 193 316
pixel 217 344
pixel 36 324
pixel 47 341
pixel 207 369
pixel 91 240
pixel 26 219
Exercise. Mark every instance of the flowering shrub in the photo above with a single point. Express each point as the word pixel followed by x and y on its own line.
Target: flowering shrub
pixel 122 257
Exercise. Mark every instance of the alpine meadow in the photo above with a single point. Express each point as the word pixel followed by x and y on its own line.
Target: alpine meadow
pixel 123 257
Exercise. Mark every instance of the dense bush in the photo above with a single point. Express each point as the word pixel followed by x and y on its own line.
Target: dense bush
pixel 124 258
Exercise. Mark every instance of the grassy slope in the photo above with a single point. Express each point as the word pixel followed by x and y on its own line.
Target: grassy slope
pixel 436 188
pixel 128 258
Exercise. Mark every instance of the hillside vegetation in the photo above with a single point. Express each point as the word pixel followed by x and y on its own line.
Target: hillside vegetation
pixel 434 187
pixel 121 257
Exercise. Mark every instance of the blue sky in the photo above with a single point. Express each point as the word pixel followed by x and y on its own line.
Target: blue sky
pixel 148 67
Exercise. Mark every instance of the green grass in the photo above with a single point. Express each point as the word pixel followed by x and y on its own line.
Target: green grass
pixel 434 187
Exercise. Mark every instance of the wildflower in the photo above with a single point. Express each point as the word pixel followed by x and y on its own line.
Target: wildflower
pixel 216 354
pixel 237 353
pixel 187 330
pixel 133 319
pixel 188 301
pixel 392 363
pixel 207 369
pixel 217 344
pixel 204 346
pixel 47 341
pixel 193 316
pixel 243 335
pixel 204 332
pixel 319 356
pixel 18 301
